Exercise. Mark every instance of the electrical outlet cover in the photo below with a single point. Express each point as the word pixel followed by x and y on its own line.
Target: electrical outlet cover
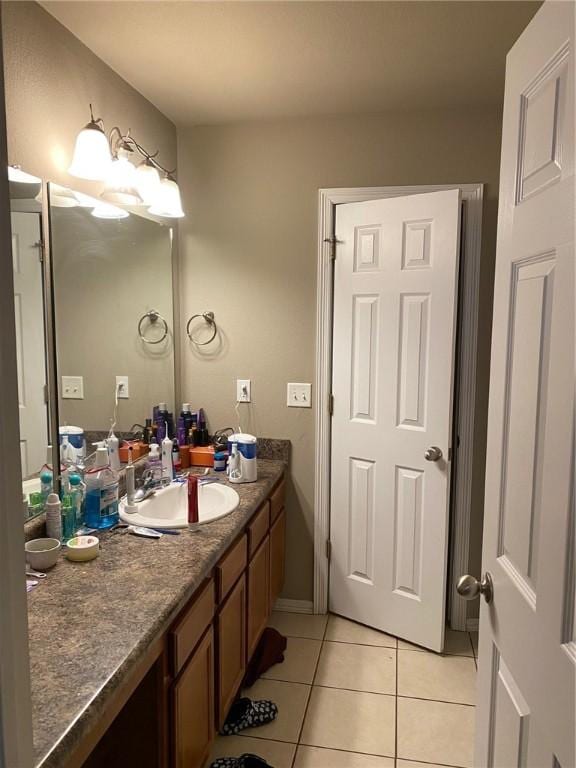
pixel 122 387
pixel 72 387
pixel 299 395
pixel 243 390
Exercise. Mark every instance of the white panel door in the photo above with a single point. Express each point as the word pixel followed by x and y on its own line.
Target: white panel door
pixel 31 358
pixel 527 659
pixel 394 326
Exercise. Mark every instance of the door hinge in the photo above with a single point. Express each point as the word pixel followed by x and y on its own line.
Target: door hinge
pixel 333 240
pixel 328 549
pixel 41 247
pixel 331 404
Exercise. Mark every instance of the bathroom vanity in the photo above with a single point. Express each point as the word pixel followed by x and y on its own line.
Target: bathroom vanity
pixel 136 656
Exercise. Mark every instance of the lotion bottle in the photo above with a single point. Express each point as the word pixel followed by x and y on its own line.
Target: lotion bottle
pixel 113 453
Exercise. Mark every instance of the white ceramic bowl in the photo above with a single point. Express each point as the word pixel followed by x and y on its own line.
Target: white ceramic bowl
pixel 42 553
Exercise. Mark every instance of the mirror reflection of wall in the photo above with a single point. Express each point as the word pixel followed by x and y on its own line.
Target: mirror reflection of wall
pixel 26 221
pixel 108 273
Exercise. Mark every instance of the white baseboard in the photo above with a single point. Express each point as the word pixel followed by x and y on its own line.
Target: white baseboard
pixel 294 606
pixel 472 625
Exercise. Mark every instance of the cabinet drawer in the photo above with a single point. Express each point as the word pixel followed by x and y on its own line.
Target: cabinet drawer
pixel 190 627
pixel 230 567
pixel 258 528
pixel 277 500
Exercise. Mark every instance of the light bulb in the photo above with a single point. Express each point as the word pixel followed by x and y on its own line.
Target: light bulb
pixel 91 154
pixel 106 211
pixel 120 186
pixel 167 203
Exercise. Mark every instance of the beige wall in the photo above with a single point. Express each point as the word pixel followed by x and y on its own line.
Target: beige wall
pixel 50 78
pixel 248 252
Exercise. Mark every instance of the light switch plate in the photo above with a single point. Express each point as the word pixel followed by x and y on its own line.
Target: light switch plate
pixel 122 387
pixel 72 388
pixel 243 393
pixel 299 395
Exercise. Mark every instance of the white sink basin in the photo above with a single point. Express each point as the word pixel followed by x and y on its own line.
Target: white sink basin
pixel 168 507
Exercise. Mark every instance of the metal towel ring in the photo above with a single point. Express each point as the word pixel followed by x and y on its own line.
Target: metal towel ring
pixel 209 317
pixel 153 317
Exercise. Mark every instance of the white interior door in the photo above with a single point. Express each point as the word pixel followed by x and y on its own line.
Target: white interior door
pixel 527 660
pixel 31 359
pixel 395 286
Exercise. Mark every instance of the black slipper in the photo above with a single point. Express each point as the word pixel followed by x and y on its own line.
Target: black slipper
pixel 244 761
pixel 245 713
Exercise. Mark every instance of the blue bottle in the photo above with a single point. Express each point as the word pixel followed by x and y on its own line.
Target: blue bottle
pixel 101 507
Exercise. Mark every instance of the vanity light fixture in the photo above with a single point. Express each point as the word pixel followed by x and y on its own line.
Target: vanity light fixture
pixel 168 203
pixel 98 158
pixel 15 173
pixel 107 211
pixel 92 155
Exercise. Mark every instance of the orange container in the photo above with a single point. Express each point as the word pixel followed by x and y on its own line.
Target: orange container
pixel 202 456
pixel 138 450
pixel 184 456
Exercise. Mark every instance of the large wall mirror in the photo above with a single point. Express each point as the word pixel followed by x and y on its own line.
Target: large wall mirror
pixel 112 272
pixel 94 322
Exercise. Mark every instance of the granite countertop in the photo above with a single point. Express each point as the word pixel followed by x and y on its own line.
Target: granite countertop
pixel 90 623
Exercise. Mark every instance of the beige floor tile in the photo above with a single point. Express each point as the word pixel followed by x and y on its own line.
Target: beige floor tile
pixel 277 753
pixel 299 663
pixel 444 678
pixel 291 700
pixel 435 732
pixel 456 644
pixel 349 720
pixel 359 667
pixel 299 624
pixel 315 757
pixel 412 764
pixel 344 631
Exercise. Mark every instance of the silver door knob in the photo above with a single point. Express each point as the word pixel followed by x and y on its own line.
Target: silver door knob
pixel 470 588
pixel 433 453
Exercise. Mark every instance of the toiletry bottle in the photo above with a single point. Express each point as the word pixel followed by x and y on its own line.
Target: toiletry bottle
pixel 193 429
pixel 176 463
pixel 101 509
pixel 234 472
pixel 68 518
pixel 147 434
pixel 202 437
pixel 154 462
pixel 193 502
pixel 186 414
pixel 53 510
pixel 167 468
pixel 77 493
pixel 67 452
pixel 130 483
pixel 46 482
pixel 181 431
pixel 113 453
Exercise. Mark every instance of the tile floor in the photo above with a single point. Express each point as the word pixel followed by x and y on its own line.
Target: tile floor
pixel 352 697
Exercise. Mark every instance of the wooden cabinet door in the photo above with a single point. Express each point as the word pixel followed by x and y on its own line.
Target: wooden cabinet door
pixel 231 648
pixel 258 594
pixel 193 707
pixel 277 556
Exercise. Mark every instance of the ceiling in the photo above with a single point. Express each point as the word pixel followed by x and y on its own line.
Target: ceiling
pixel 215 62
